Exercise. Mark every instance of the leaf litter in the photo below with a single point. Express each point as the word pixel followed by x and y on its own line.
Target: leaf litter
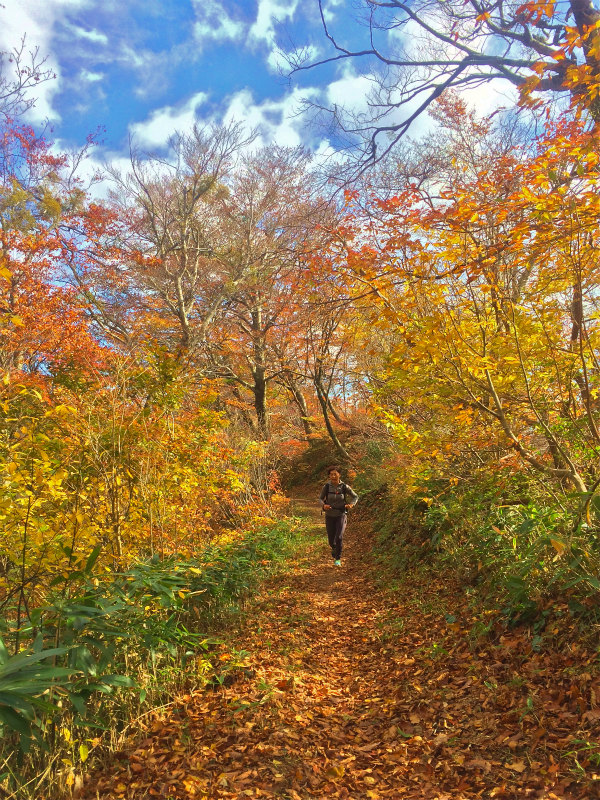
pixel 349 690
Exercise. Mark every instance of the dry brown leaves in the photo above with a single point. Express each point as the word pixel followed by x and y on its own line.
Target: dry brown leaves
pixel 353 692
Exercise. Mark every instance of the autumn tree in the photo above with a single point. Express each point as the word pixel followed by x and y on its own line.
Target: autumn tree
pixel 271 219
pixel 169 230
pixel 44 320
pixel 476 291
pixel 202 256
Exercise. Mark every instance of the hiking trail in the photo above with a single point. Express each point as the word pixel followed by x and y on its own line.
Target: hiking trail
pixel 349 690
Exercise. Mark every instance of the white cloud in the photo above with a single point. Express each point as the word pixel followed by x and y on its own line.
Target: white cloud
pixel 354 96
pixel 92 35
pixel 276 121
pixel 277 60
pixel 325 154
pixel 91 77
pixel 51 23
pixel 330 9
pixel 413 41
pixel 214 23
pixel 270 12
pixel 155 131
pixel 154 69
pixel 136 58
pixel 489 97
pixel 350 92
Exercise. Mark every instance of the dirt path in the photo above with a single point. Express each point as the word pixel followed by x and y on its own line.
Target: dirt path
pixel 348 691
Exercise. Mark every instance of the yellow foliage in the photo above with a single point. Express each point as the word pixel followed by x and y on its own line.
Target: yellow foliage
pixel 79 471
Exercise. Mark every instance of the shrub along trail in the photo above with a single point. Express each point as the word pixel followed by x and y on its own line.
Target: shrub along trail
pixel 353 691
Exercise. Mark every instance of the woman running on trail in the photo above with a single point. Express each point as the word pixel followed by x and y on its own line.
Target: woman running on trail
pixel 336 499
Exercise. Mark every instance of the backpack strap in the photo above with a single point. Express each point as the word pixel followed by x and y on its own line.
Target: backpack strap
pixel 342 486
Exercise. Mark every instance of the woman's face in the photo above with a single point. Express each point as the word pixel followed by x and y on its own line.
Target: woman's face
pixel 334 476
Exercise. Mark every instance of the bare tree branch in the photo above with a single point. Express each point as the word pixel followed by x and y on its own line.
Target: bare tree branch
pixel 20 71
pixel 416 50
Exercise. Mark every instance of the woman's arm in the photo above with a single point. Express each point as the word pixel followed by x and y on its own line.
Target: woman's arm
pixel 323 495
pixel 353 497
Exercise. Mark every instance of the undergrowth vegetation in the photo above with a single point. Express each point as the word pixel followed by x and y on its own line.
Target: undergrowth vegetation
pixel 92 661
pixel 506 544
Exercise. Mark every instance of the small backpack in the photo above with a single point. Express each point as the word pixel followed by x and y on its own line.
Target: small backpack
pixel 332 498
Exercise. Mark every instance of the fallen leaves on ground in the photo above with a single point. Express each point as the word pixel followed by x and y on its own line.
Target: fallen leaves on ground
pixel 352 691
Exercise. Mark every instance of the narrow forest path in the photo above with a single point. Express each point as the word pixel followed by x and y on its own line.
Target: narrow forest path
pixel 351 691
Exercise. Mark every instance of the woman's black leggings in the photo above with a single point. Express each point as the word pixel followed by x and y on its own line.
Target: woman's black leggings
pixel 335 533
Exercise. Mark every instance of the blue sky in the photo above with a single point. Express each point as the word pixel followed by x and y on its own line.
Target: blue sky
pixel 148 67
pixel 145 68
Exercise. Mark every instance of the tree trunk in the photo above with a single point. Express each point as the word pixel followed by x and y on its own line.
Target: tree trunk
pixel 259 375
pixel 334 413
pixel 332 434
pixel 302 407
pixel 260 400
pixel 585 15
pixel 243 412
